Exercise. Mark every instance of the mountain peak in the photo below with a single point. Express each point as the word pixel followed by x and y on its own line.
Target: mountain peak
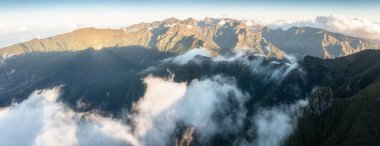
pixel 215 34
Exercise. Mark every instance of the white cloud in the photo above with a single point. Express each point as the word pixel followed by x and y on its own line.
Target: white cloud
pixel 199 96
pixel 363 28
pixel 41 120
pixel 275 124
pixel 3 58
pixel 189 55
pixel 166 103
pixel 17 30
pixel 274 71
pixel 356 27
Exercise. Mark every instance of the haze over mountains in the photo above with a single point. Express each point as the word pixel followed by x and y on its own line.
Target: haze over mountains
pixel 219 35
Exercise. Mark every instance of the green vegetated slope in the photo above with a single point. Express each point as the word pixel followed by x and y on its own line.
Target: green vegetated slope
pixel 349 121
pixel 348 112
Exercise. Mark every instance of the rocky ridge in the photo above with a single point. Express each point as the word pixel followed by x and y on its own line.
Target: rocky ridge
pixel 217 35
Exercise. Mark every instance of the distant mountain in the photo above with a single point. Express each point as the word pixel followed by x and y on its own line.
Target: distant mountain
pixel 218 35
pixel 303 41
pixel 170 35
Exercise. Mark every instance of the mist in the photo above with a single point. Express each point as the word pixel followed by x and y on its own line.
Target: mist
pixel 42 120
pixel 275 124
pixel 356 27
pixel 172 109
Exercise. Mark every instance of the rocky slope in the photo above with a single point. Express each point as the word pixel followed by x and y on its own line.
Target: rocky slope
pixel 218 35
pixel 170 35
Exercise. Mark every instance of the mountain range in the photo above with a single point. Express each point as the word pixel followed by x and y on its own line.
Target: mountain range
pixel 218 35
pixel 192 82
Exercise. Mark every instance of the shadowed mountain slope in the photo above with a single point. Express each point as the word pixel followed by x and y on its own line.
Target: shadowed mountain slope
pixel 343 92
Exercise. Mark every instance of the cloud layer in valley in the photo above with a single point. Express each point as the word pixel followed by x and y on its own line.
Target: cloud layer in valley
pixel 204 108
pixel 270 70
pixel 193 105
pixel 42 120
pixel 186 57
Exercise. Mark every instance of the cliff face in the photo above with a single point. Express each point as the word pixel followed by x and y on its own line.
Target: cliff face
pixel 217 35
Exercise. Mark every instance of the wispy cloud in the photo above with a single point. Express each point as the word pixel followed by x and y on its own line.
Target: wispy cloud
pixel 363 28
pixel 275 124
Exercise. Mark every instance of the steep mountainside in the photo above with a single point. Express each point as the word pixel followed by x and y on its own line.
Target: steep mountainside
pixel 218 35
pixel 343 93
pixel 346 112
pixel 170 35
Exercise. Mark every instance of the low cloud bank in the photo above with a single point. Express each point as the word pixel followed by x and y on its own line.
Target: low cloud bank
pixel 189 55
pixel 166 103
pixel 270 70
pixel 271 125
pixel 42 120
pixel 363 28
pixel 201 109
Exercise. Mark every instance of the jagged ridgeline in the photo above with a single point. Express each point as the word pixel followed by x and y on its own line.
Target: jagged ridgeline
pixel 217 35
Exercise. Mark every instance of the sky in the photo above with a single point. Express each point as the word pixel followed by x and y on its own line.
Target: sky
pixel 22 20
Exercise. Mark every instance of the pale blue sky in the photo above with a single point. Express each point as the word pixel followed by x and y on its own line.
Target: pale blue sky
pixel 199 8
pixel 21 20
